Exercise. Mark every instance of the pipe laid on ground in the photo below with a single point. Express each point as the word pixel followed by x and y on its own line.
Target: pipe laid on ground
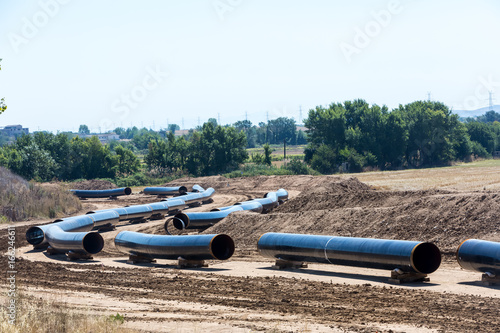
pixel 197 188
pixel 200 220
pixel 36 236
pixel 78 242
pixel 253 206
pixel 189 247
pixel 165 190
pixel 480 256
pixel 102 193
pixel 109 217
pixel 409 256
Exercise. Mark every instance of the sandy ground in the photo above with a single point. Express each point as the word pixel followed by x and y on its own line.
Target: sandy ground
pixel 244 294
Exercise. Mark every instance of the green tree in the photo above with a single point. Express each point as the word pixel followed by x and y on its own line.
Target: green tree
pixel 3 107
pixel 173 127
pixel 267 154
pixel 483 133
pixel 84 129
pixel 127 162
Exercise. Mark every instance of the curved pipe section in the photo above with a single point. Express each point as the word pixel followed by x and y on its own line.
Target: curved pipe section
pixel 79 242
pixel 165 190
pixel 409 256
pixel 37 235
pixel 190 247
pixel 480 256
pixel 200 220
pixel 102 193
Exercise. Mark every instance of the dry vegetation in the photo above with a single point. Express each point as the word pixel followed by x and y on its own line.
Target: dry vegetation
pixel 21 200
pixel 35 315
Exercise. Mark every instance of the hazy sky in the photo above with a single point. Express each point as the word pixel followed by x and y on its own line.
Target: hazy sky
pixel 121 62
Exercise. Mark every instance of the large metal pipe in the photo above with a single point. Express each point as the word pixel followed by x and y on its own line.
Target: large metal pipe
pixel 165 190
pixel 189 247
pixel 408 256
pixel 200 220
pixel 175 204
pixel 109 217
pixel 197 188
pixel 36 235
pixel 480 256
pixel 102 193
pixel 78 242
pixel 253 206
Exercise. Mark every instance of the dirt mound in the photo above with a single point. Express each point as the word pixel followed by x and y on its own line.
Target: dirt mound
pixel 93 184
pixel 256 186
pixel 444 218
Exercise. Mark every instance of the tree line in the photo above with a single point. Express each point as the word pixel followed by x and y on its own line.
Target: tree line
pixel 350 136
pixel 355 135
pixel 44 156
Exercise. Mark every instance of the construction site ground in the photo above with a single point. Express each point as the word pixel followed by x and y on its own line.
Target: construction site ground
pixel 245 294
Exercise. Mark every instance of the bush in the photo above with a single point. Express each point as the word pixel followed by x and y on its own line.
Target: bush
pixel 297 167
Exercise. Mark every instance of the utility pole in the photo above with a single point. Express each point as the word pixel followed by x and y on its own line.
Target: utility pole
pixel 199 121
pixel 284 150
pixel 182 122
pixel 246 115
pixel 491 100
pixel 428 96
pixel 218 118
pixel 300 114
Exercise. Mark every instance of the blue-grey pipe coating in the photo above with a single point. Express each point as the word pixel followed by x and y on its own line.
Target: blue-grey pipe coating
pixel 165 190
pixel 480 256
pixel 102 193
pixel 190 247
pixel 201 220
pixel 409 256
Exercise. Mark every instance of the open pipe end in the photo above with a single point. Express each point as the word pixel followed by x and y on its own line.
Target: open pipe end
pixel 180 221
pixel 93 242
pixel 35 235
pixel 128 191
pixel 222 247
pixel 183 189
pixel 426 258
pixel 215 210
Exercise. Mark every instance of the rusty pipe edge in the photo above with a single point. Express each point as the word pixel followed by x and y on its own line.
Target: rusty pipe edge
pixel 479 255
pixel 409 256
pixel 190 247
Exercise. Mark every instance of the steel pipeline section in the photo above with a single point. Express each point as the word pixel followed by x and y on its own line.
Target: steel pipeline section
pixel 190 247
pixel 165 190
pixel 72 234
pixel 102 193
pixel 480 256
pixel 203 220
pixel 408 256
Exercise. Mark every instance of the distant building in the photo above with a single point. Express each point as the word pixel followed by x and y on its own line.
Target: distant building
pixel 13 130
pixel 104 138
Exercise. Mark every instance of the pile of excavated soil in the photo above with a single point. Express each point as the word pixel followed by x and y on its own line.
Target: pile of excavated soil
pixel 93 184
pixel 263 184
pixel 350 208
